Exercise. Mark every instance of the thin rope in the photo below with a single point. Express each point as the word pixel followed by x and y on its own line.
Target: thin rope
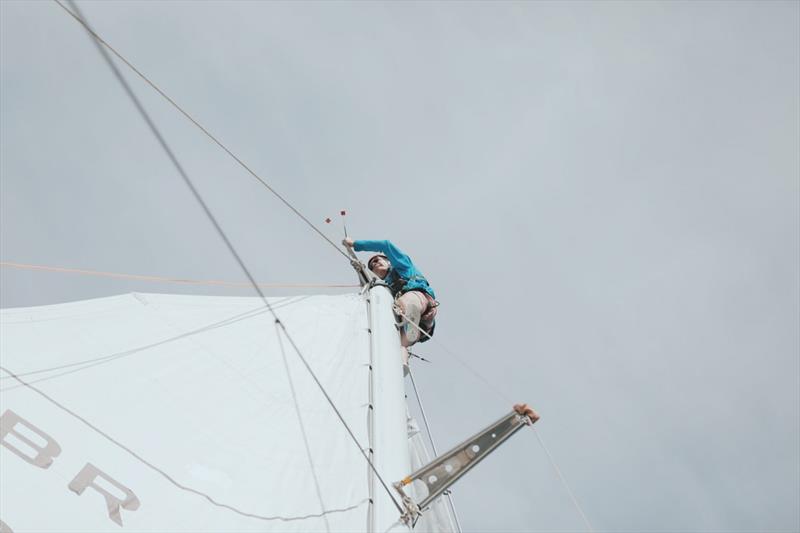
pixel 200 126
pixel 198 197
pixel 302 428
pixel 564 481
pixel 500 392
pixel 433 445
pixel 163 473
pixel 161 279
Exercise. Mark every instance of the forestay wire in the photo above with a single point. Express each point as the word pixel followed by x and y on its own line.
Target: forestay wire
pixel 216 224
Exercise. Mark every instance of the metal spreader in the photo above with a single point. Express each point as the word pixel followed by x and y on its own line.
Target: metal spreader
pixel 442 472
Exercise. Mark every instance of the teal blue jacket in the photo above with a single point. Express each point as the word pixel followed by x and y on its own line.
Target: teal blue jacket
pixel 403 276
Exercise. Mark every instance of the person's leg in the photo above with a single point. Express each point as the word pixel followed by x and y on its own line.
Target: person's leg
pixel 427 322
pixel 411 305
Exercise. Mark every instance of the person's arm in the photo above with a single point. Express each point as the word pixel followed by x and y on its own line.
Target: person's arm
pixel 400 261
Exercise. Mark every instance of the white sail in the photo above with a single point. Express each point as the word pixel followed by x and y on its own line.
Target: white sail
pixel 149 412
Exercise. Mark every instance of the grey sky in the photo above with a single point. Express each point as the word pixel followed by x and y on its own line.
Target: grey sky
pixel 605 195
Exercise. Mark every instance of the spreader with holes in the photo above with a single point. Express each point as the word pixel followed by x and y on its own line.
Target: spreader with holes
pixel 442 472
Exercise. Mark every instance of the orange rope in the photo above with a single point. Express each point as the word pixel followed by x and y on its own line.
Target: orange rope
pixel 140 277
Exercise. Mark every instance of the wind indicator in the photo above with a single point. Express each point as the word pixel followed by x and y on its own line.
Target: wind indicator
pixel 344 224
pixel 343 214
pixel 359 267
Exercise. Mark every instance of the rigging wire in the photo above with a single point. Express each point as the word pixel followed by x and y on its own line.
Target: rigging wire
pixel 563 481
pixel 192 120
pixel 347 427
pixel 180 281
pixel 229 245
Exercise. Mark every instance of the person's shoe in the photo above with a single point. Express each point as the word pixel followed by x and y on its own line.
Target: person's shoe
pixel 410 324
pixel 411 333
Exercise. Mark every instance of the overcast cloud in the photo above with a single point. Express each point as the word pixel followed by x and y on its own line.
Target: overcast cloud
pixel 605 196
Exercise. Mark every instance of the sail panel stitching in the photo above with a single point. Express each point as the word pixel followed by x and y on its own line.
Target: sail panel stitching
pixel 167 476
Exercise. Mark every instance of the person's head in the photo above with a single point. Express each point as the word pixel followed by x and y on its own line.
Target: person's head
pixel 379 265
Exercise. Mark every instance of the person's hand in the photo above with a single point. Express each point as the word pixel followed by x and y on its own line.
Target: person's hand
pixel 348 242
pixel 524 410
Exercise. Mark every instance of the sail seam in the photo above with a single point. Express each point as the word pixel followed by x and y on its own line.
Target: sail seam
pixel 170 478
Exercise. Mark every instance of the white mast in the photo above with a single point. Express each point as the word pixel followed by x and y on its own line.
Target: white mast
pixel 388 435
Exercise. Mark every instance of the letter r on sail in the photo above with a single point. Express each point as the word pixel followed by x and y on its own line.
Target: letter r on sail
pixel 44 455
pixel 86 478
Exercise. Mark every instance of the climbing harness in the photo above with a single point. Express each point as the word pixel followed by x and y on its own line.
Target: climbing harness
pixel 425 322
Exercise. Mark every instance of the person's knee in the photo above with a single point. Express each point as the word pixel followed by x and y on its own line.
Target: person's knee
pixel 411 299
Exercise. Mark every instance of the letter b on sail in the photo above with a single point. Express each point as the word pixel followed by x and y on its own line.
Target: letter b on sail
pixel 86 478
pixel 44 455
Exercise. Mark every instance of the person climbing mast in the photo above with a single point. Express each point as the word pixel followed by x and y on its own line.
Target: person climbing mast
pixel 415 300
